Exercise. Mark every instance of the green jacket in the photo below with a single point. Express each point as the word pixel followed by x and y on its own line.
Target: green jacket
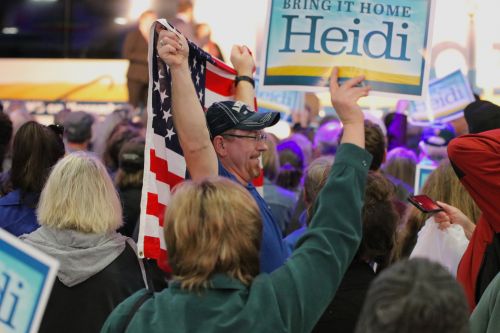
pixel 293 297
pixel 486 315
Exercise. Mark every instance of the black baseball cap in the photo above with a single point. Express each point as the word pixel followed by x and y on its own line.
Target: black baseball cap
pixel 131 156
pixel 223 116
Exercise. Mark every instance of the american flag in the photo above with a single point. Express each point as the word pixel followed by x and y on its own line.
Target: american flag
pixel 164 165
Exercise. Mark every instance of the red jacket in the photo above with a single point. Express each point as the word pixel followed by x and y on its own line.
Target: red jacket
pixel 476 159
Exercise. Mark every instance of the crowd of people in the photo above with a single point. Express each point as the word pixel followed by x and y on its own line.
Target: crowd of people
pixel 332 244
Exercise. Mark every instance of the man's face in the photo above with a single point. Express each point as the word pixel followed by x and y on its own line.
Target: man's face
pixel 243 152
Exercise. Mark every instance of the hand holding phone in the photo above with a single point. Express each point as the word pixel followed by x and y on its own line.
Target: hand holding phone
pixel 424 203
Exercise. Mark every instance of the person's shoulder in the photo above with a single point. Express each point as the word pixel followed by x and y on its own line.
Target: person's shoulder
pixel 276 193
pixel 11 198
pixel 117 318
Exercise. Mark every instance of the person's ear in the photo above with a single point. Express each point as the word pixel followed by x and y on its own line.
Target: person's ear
pixel 219 146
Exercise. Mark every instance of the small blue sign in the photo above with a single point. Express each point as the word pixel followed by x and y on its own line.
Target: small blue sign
pixel 26 279
pixel 447 98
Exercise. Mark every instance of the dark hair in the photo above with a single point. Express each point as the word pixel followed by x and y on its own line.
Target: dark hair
pixel 35 150
pixel 131 164
pixel 374 143
pixel 5 136
pixel 414 296
pixel 482 116
pixel 291 161
pixel 380 220
pixel 122 133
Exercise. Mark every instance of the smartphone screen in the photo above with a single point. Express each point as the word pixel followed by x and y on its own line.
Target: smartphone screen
pixel 424 203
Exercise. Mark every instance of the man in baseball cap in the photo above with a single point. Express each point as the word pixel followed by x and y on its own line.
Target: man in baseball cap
pixel 228 140
pixel 78 130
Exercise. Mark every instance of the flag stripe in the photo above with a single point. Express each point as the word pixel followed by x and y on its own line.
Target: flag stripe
pixel 221 68
pixel 152 246
pixel 159 166
pixel 177 163
pixel 212 97
pixel 218 84
pixel 155 208
pixel 153 229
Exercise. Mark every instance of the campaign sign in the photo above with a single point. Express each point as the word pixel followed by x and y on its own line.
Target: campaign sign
pixel 387 41
pixel 447 98
pixel 422 172
pixel 285 101
pixel 26 279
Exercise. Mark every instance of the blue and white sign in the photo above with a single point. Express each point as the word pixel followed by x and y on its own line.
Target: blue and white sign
pixel 422 172
pixel 26 279
pixel 285 102
pixel 387 41
pixel 447 98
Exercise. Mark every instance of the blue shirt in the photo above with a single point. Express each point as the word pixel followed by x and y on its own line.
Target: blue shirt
pixel 15 216
pixel 273 251
pixel 281 202
pixel 291 239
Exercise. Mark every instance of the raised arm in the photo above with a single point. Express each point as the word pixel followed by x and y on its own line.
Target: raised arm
pixel 326 250
pixel 188 115
pixel 244 65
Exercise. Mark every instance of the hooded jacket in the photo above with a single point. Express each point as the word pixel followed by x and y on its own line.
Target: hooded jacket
pixel 96 273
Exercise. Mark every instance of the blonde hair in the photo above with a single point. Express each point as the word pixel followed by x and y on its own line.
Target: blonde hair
pixel 401 163
pixel 80 195
pixel 212 226
pixel 270 161
pixel 442 185
pixel 314 180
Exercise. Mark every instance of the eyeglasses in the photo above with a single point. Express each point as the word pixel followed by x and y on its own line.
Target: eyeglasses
pixel 258 138
pixel 57 129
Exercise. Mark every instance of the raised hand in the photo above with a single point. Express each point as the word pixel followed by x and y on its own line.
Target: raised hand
pixel 172 48
pixel 242 60
pixel 345 101
pixel 345 98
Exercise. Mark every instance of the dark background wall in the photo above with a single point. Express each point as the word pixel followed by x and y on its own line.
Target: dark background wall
pixel 67 28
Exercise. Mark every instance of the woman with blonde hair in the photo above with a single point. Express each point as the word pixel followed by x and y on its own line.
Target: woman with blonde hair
pixel 79 212
pixel 401 163
pixel 213 230
pixel 399 167
pixel 442 185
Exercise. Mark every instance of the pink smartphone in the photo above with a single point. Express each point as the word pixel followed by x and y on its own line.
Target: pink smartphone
pixel 424 203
